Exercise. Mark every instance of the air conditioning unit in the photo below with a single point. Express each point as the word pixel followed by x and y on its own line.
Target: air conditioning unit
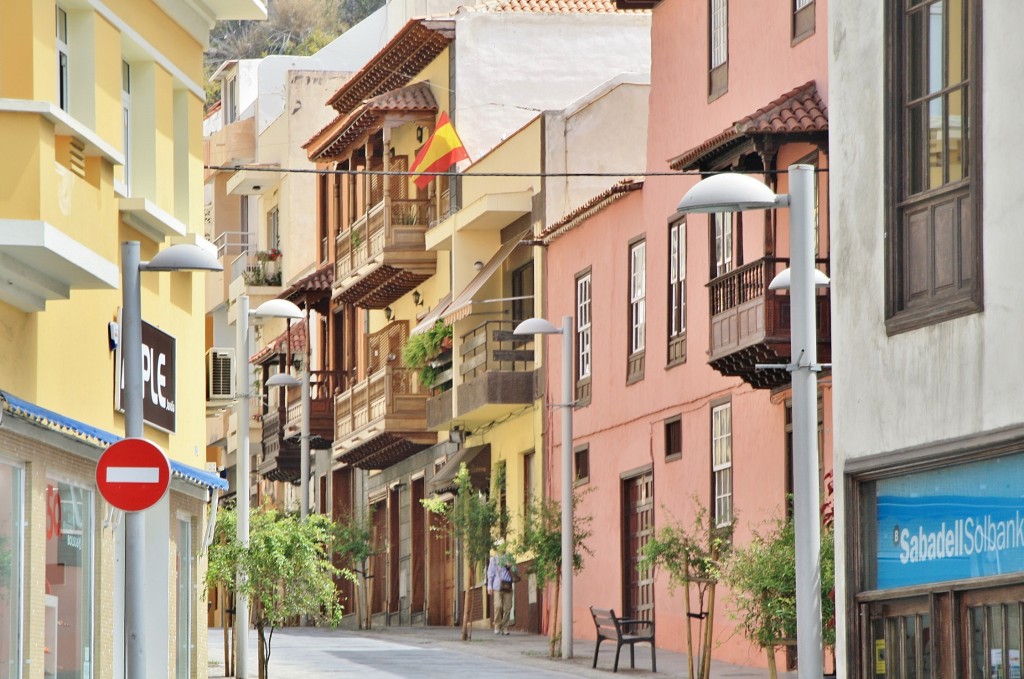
pixel 220 374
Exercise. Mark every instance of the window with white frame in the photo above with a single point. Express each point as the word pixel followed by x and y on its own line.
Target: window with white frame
pixel 723 242
pixel 637 296
pixel 11 522
pixel 803 19
pixel 583 319
pixel 676 289
pixel 63 64
pixel 274 228
pixel 718 40
pixel 721 462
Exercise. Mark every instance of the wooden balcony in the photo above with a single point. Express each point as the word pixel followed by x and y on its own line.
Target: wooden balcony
pixel 383 255
pixel 382 419
pixel 750 323
pixel 496 377
pixel 282 427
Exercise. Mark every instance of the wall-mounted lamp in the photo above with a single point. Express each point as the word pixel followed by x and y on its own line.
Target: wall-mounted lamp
pixel 388 313
pixel 478 265
pixel 457 435
pixel 417 298
pixel 419 134
pixel 391 153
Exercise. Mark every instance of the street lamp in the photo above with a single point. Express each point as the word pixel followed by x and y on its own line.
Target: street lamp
pixel 540 326
pixel 733 192
pixel 286 380
pixel 180 257
pixel 274 308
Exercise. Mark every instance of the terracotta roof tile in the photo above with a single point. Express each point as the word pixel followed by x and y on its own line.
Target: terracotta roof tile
pixel 590 208
pixel 293 338
pixel 333 139
pixel 800 110
pixel 318 281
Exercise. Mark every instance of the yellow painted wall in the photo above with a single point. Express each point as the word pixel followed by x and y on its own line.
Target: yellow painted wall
pixel 60 358
pixel 519 153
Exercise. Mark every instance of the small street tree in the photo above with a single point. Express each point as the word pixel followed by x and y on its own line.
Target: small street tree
pixel 286 570
pixel 762 579
pixel 541 537
pixel 471 518
pixel 692 555
pixel 353 548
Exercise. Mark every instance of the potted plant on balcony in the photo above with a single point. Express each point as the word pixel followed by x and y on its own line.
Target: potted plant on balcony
pixel 421 351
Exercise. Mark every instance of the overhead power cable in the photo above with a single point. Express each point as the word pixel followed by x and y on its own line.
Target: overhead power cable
pixel 408 173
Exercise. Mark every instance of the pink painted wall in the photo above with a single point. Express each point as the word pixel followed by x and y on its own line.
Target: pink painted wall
pixel 624 425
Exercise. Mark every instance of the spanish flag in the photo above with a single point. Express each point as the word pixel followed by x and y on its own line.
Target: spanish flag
pixel 442 150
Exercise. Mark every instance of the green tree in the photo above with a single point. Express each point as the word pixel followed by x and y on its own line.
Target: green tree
pixel 471 518
pixel 286 570
pixel 354 547
pixel 692 555
pixel 762 579
pixel 541 538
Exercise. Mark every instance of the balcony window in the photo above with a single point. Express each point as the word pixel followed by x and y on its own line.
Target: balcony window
pixel 677 293
pixel 718 34
pixel 721 463
pixel 637 309
pixel 933 235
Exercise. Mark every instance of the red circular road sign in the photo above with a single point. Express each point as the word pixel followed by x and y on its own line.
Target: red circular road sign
pixel 133 474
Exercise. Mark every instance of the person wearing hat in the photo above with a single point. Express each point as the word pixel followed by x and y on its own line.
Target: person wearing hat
pixel 500 576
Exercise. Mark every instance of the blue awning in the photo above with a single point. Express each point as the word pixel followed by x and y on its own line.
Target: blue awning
pixel 99 438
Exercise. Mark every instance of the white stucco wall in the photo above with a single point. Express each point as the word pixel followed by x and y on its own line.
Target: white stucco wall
pixel 604 132
pixel 945 381
pixel 512 66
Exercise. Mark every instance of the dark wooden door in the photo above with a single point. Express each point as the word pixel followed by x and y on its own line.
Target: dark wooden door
pixel 638 526
pixel 441 558
pixel 378 574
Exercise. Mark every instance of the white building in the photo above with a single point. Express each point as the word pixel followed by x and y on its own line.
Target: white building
pixel 927 315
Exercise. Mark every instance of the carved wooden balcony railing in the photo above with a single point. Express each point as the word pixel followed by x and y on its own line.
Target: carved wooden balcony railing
pixel 382 419
pixel 496 376
pixel 750 323
pixel 281 458
pixel 383 255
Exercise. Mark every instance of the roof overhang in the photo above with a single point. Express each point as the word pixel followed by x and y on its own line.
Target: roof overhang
pixel 253 182
pixel 39 262
pixel 146 216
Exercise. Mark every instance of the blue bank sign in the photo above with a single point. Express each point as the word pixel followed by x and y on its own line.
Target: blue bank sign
pixel 951 524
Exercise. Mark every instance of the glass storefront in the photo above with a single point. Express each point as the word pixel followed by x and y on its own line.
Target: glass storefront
pixel 11 494
pixel 941 556
pixel 70 534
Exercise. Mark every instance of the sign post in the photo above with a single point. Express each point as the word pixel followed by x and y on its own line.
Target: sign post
pixel 133 474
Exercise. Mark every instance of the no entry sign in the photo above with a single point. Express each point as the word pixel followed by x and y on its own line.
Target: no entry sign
pixel 133 474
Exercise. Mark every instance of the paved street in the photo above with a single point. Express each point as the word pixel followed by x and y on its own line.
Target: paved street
pixel 418 652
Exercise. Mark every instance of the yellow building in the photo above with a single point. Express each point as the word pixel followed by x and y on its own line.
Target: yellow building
pixel 100 114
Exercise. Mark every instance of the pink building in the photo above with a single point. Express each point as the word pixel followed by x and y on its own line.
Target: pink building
pixel 672 313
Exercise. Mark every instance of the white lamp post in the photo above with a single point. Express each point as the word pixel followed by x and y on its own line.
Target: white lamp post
pixel 732 192
pixel 274 308
pixel 539 326
pixel 286 380
pixel 180 257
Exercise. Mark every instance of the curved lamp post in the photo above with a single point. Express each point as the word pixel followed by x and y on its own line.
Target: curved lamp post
pixel 734 192
pixel 180 257
pixel 274 308
pixel 540 326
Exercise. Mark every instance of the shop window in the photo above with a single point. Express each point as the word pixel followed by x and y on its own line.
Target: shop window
pixel 69 575
pixel 11 520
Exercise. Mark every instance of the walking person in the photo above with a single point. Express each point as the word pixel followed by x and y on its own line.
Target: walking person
pixel 500 576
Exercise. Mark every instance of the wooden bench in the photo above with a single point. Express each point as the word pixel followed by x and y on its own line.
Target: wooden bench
pixel 622 631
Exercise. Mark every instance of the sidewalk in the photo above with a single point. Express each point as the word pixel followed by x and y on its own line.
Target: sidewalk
pixel 525 651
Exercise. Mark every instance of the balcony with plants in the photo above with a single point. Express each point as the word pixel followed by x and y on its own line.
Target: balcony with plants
pixel 494 375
